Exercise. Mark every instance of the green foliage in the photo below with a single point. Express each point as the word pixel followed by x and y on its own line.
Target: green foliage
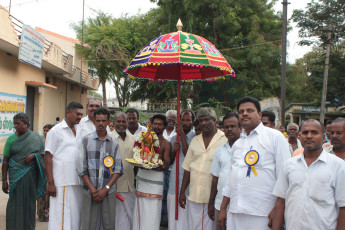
pixel 217 106
pixel 305 77
pixel 318 19
pixel 112 43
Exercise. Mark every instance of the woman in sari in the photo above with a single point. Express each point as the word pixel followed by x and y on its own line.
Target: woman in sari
pixel 23 163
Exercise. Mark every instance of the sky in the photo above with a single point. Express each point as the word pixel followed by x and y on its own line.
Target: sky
pixel 57 16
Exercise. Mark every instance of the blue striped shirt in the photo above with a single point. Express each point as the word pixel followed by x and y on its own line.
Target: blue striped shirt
pixel 92 153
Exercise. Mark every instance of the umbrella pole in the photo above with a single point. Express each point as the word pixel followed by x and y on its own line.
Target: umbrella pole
pixel 177 160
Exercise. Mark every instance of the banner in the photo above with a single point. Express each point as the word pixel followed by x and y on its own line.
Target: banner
pixel 10 105
pixel 31 47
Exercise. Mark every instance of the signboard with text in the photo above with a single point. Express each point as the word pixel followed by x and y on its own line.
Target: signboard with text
pixel 10 105
pixel 31 47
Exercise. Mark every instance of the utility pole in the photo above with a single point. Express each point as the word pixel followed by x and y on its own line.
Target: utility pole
pixel 283 69
pixel 325 78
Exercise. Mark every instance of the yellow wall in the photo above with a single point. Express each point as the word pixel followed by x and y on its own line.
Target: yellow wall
pixel 14 74
pixel 50 103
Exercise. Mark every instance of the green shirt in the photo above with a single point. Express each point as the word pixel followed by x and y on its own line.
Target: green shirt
pixel 8 144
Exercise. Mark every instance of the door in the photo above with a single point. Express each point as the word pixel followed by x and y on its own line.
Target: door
pixel 30 98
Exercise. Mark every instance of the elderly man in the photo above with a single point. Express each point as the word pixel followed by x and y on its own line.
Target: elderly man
pixel 147 209
pixel 87 123
pixel 61 159
pixel 221 165
pixel 133 122
pixel 337 135
pixel 268 119
pixel 257 158
pixel 125 184
pixel 197 174
pixel 310 187
pixel 169 131
pixel 186 134
pixel 292 132
pixel 100 168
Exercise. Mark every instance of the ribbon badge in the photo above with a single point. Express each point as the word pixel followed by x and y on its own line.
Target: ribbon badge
pixel 108 163
pixel 251 158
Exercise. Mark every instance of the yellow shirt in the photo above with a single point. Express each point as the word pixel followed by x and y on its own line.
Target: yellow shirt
pixel 198 162
pixel 126 182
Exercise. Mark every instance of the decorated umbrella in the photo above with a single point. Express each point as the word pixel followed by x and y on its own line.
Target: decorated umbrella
pixel 179 56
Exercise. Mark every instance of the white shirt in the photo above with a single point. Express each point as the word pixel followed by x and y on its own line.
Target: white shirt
pixel 168 137
pixel 253 195
pixel 87 127
pixel 139 130
pixel 220 168
pixel 290 146
pixel 63 145
pixel 312 194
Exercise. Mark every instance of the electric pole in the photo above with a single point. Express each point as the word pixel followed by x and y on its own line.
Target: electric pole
pixel 283 69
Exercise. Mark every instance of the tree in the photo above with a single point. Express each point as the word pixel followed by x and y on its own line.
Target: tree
pixel 323 23
pixel 111 44
pixel 95 36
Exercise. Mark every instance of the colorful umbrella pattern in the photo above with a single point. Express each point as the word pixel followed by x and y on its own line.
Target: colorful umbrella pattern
pixel 179 56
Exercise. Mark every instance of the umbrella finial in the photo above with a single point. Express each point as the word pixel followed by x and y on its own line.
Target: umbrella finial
pixel 179 25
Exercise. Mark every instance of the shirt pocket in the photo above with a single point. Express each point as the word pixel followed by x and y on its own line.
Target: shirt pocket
pixel 266 158
pixel 321 191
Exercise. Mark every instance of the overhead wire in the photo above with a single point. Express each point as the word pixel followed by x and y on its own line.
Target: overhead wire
pixel 233 48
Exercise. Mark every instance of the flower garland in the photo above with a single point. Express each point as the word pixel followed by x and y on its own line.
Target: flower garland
pixel 146 150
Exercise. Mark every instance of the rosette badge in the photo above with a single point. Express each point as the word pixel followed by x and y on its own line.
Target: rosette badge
pixel 251 158
pixel 108 162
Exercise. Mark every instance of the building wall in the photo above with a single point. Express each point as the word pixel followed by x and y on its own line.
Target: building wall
pixel 68 45
pixel 49 103
pixel 13 72
pixel 6 26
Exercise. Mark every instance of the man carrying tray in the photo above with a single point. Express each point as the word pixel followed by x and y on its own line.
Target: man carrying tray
pixel 147 210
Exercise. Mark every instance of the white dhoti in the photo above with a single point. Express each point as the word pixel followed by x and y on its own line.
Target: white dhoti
pixel 65 208
pixel 198 217
pixel 239 221
pixel 182 222
pixel 148 203
pixel 124 211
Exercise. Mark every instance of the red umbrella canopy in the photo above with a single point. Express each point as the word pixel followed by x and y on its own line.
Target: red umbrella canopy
pixel 179 56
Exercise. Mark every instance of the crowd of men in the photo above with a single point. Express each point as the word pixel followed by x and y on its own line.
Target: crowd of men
pixel 242 175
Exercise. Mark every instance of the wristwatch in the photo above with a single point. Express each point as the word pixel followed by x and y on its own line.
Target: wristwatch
pixel 107 187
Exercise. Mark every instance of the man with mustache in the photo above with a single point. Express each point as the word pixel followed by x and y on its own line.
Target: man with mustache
pixel 133 122
pixel 186 134
pixel 221 165
pixel 256 160
pixel 196 165
pixel 310 187
pixel 148 203
pixel 337 135
pixel 100 168
pixel 61 159
pixel 292 132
